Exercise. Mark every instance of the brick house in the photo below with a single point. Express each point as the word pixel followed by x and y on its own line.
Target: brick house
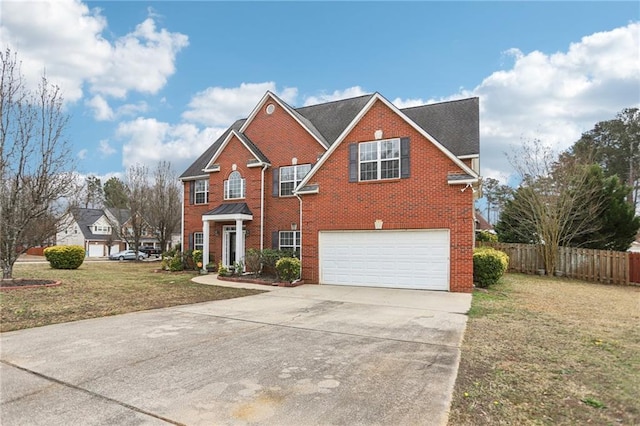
pixel 365 193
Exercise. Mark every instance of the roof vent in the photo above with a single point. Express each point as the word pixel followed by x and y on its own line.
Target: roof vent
pixel 270 108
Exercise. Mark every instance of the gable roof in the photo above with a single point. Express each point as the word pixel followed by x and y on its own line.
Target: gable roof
pixel 468 172
pixel 454 125
pixel 255 151
pixel 85 218
pixel 197 167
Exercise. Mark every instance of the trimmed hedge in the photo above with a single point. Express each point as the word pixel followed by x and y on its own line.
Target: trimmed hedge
pixel 288 268
pixel 489 265
pixel 486 236
pixel 64 257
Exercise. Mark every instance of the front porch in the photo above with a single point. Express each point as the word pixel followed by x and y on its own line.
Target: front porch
pixel 232 218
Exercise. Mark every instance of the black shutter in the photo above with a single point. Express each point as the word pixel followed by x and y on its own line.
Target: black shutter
pixel 353 162
pixel 191 241
pixel 405 168
pixel 276 182
pixel 275 243
pixel 192 191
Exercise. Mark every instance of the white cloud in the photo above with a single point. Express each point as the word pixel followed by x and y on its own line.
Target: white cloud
pixel 82 154
pixel 101 109
pixel 148 141
pixel 105 148
pixel 65 38
pixel 556 97
pixel 221 106
pixel 350 92
pixel 408 103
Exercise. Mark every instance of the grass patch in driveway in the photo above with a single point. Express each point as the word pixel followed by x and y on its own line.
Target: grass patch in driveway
pixel 550 351
pixel 100 289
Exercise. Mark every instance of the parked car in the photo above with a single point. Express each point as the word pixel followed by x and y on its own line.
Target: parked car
pixel 151 251
pixel 128 255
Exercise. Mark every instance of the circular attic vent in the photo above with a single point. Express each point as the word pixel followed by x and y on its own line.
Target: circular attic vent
pixel 270 109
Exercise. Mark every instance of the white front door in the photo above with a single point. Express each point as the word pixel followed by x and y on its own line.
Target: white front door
pixel 229 255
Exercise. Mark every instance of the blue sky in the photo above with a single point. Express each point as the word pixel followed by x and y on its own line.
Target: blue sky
pixel 150 81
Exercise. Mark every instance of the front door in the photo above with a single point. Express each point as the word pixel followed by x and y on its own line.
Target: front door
pixel 229 256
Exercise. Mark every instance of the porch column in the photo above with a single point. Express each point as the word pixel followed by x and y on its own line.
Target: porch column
pixel 239 241
pixel 205 244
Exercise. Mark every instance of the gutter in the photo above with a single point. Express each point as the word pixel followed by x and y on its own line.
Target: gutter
pixel 300 228
pixel 262 208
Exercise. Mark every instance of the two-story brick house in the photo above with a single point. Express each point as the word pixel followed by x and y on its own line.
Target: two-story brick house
pixel 365 193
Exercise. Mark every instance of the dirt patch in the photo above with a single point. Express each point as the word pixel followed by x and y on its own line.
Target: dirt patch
pixel 18 283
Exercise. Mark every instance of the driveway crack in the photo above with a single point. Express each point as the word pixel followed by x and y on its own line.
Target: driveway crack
pixel 90 393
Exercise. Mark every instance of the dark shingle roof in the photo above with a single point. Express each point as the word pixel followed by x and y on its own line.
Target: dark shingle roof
pixel 252 147
pixel 195 169
pixel 230 208
pixel 332 118
pixel 85 218
pixel 455 124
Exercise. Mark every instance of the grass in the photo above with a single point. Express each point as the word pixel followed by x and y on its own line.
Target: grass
pixel 541 351
pixel 100 289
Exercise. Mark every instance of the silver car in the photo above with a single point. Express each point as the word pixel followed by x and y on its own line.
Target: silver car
pixel 128 255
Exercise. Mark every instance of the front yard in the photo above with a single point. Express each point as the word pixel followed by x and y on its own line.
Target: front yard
pixel 550 351
pixel 99 289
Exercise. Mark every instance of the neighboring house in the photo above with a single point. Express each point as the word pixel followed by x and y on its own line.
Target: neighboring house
pixel 121 220
pixel 91 229
pixel 483 224
pixel 365 193
pixel 99 231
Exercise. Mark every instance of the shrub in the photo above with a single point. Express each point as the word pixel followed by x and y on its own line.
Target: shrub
pixel 489 265
pixel 64 257
pixel 197 258
pixel 486 236
pixel 269 259
pixel 253 260
pixel 222 270
pixel 175 263
pixel 288 268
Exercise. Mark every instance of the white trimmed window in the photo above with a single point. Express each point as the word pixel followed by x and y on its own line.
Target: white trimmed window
pixel 101 229
pixel 234 187
pixel 198 241
pixel 291 176
pixel 290 240
pixel 201 192
pixel 379 159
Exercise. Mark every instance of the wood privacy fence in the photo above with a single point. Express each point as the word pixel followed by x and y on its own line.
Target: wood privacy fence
pixel 604 266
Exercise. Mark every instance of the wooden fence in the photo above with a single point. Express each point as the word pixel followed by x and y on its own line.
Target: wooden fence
pixel 604 266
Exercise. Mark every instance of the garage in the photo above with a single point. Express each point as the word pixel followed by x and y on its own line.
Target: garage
pixel 415 259
pixel 96 250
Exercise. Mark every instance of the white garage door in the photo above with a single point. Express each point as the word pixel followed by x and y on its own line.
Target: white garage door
pixel 96 250
pixel 416 259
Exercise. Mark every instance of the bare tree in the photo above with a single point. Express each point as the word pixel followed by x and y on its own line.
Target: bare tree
pixel 555 202
pixel 35 167
pixel 137 189
pixel 163 210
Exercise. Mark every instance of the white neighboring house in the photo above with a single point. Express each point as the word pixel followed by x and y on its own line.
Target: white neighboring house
pixel 91 229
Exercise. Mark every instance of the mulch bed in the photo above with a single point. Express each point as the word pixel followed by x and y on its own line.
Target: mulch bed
pixel 263 281
pixel 17 283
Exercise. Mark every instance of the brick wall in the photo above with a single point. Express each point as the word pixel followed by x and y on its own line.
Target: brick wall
pixel 425 200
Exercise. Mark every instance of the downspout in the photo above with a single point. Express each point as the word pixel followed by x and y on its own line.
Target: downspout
pixel 262 208
pixel 182 228
pixel 300 228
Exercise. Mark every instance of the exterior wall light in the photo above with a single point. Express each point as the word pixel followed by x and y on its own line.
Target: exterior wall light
pixel 378 223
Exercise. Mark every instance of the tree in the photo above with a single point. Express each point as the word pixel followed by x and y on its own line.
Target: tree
pixel 93 195
pixel 554 204
pixel 163 210
pixel 496 195
pixel 35 167
pixel 137 192
pixel 115 194
pixel 615 146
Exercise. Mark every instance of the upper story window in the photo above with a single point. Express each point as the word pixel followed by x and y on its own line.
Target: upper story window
pixel 201 191
pixel 291 176
pixel 101 229
pixel 379 159
pixel 234 187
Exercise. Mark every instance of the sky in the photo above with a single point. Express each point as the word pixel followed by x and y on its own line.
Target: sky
pixel 161 80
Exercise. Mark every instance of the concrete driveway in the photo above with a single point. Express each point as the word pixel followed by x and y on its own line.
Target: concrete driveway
pixel 311 355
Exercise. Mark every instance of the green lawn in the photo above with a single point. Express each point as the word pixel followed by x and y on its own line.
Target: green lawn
pixel 550 351
pixel 99 289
